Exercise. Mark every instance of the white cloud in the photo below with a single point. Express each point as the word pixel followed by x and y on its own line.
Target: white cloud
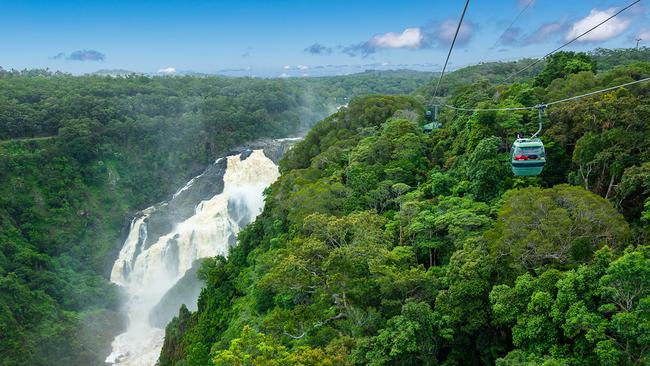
pixel 413 38
pixel 284 75
pixel 427 36
pixel 611 29
pixel 446 29
pixel 409 38
pixel 298 67
pixel 167 70
pixel 644 34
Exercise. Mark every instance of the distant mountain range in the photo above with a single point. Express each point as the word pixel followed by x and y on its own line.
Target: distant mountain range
pixel 369 72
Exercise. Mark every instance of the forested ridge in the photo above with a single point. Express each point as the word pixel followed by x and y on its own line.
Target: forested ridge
pixel 381 245
pixel 80 155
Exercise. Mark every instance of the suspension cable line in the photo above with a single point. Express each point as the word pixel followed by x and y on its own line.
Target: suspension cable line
pixel 598 91
pixel 530 2
pixel 460 22
pixel 543 105
pixel 571 41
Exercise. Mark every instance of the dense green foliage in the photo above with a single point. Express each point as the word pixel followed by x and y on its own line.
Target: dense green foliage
pixel 607 59
pixel 380 245
pixel 80 154
pixel 561 64
pixel 489 71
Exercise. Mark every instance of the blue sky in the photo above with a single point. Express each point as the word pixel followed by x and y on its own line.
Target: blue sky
pixel 290 37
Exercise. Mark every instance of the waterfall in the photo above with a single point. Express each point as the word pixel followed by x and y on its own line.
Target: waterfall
pixel 201 220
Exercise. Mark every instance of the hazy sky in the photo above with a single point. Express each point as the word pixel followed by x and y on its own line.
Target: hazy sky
pixel 289 37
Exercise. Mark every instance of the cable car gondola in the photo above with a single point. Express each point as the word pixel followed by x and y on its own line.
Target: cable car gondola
pixel 528 156
pixel 432 119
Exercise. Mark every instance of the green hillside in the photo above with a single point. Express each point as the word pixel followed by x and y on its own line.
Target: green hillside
pixel 380 245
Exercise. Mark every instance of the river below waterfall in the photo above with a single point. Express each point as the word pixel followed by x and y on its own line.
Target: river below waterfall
pixel 157 264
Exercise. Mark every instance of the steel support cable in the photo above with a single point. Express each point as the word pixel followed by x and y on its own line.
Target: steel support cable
pixel 569 42
pixel 530 2
pixel 598 91
pixel 544 104
pixel 460 22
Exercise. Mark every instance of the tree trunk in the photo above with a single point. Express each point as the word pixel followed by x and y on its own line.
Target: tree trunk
pixel 584 172
pixel 611 185
pixel 599 184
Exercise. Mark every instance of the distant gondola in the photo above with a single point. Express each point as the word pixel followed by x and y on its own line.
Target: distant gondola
pixel 432 119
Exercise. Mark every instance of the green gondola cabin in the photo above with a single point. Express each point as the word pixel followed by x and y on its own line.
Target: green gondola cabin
pixel 528 157
pixel 433 123
pixel 428 128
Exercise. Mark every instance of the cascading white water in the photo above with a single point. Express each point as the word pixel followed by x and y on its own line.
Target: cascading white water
pixel 147 274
